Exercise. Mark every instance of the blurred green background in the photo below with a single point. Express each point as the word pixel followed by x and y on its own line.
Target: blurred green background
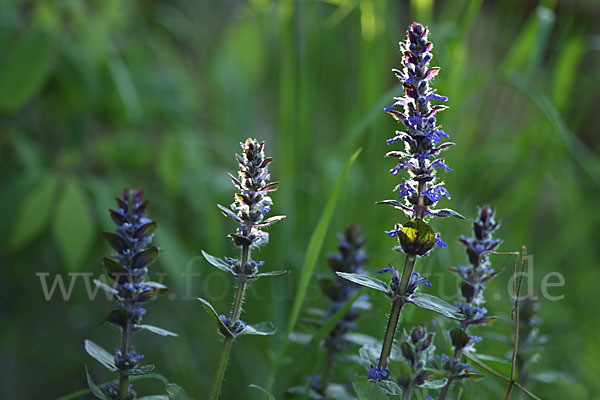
pixel 99 95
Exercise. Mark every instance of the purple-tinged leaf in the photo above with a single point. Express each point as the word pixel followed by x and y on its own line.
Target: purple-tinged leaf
pixel 432 72
pixel 270 221
pixel 144 258
pixel 145 230
pixel 445 212
pixel 228 213
pixel 117 217
pixel 271 187
pixel 115 241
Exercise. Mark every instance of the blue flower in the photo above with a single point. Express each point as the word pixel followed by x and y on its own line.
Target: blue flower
pixel 435 193
pixel 439 163
pixel 392 270
pixel 439 242
pixel 377 374
pixel 392 233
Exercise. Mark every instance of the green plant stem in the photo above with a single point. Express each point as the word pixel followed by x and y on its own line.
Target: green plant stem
pixel 446 389
pixel 390 332
pixel 235 315
pixel 406 394
pixel 325 373
pixel 124 379
pixel 221 367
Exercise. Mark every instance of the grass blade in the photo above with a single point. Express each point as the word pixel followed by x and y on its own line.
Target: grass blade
pixel 314 246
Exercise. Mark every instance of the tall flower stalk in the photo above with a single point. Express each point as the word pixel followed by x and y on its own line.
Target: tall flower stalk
pixel 250 206
pixel 474 279
pixel 419 192
pixel 128 268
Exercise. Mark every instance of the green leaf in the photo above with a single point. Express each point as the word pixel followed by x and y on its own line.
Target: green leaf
pixel 435 304
pixel 272 274
pixel 155 289
pixel 156 329
pixel 446 212
pixel 141 370
pixel 93 388
pixel 487 357
pixel 73 226
pixel 269 395
pixel 33 214
pixel 217 262
pixel 105 287
pixel 176 392
pixel 24 69
pixel 401 371
pixel 115 270
pixel 390 388
pixel 155 397
pixel 436 384
pixel 211 311
pixel 459 338
pixel 118 317
pixel 261 329
pixel 314 248
pixel 101 355
pixel 365 280
pixel 365 390
pixel 144 258
pixel 471 375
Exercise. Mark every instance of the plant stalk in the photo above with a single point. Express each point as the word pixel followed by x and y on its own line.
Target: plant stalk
pixel 390 332
pixel 446 389
pixel 124 379
pixel 325 373
pixel 235 315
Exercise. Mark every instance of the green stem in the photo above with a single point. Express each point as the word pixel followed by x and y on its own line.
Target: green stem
pixel 446 389
pixel 390 331
pixel 221 367
pixel 325 373
pixel 235 315
pixel 124 379
pixel 406 394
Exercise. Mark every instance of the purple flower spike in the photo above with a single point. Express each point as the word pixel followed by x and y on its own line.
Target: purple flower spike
pixel 417 110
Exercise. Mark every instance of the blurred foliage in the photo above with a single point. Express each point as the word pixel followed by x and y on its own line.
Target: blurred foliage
pixel 99 95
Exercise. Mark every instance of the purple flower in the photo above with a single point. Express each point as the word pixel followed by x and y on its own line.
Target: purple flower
pixel 439 163
pixel 435 193
pixel 392 270
pixel 439 242
pixel 377 374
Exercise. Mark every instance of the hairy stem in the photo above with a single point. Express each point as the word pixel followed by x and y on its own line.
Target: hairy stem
pixel 124 379
pixel 390 331
pixel 235 315
pixel 221 367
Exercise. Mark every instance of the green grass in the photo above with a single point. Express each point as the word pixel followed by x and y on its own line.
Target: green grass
pixel 158 95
